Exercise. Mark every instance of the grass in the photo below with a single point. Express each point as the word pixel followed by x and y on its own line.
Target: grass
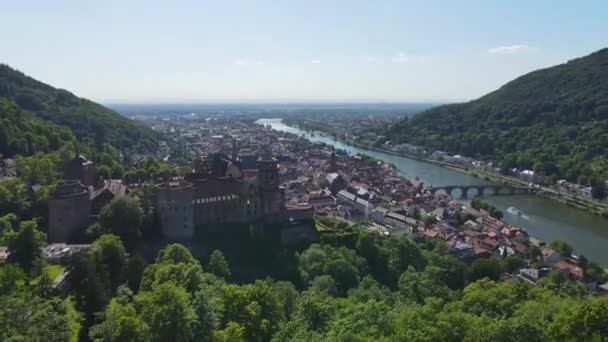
pixel 321 227
pixel 53 271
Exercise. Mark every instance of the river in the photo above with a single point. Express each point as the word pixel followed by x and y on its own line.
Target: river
pixel 545 219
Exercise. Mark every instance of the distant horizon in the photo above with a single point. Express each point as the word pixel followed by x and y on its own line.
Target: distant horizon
pixel 273 102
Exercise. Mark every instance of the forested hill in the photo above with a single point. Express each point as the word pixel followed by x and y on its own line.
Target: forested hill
pixel 554 120
pixel 92 123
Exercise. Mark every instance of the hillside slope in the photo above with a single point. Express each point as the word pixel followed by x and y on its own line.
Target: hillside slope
pixel 92 123
pixel 554 120
pixel 22 133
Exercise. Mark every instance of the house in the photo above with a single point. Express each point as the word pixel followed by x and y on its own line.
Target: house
pixel 532 275
pixel 462 250
pixel 363 206
pixel 549 255
pixel 378 215
pixel 345 197
pixel 103 195
pixel 335 182
pixel 321 198
pixel 570 269
pixel 395 220
pixel 439 213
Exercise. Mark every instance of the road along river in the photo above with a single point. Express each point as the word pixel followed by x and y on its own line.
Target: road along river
pixel 545 219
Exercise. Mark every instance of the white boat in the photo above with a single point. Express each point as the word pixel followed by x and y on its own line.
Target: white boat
pixel 515 211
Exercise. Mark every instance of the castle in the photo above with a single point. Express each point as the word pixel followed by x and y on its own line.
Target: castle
pixel 218 194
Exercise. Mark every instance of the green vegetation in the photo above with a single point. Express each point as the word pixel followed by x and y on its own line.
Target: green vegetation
pixel 23 133
pixel 478 203
pixel 362 289
pixel 91 123
pixel 553 121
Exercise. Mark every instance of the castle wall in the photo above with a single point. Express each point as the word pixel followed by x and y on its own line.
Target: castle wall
pixel 225 200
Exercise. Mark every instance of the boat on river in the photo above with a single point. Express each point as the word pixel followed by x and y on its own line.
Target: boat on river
pixel 515 211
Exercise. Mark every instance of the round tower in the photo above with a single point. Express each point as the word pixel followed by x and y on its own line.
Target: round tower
pixel 174 204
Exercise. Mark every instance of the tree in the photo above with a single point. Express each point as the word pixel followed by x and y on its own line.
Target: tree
pixel 174 264
pixel 8 221
pixel 344 273
pixel 416 287
pixel 429 220
pixel 206 319
pixel 123 216
pixel 564 248
pixel 326 284
pixel 512 263
pixel 104 172
pixel 121 322
pixel 167 310
pixel 134 271
pixel 9 276
pixel 234 332
pixel 376 255
pixel 14 198
pixel 110 256
pixel 257 307
pixel 25 244
pixel 218 265
pixel 24 317
pixel 484 268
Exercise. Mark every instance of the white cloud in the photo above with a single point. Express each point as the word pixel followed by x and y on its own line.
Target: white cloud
pixel 370 58
pixel 315 61
pixel 241 62
pixel 403 57
pixel 246 62
pixel 510 49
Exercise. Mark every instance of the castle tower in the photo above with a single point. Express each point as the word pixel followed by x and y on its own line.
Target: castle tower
pixel 175 210
pixel 268 174
pixel 69 206
pixel 200 165
pixel 333 164
pixel 271 196
pixel 80 169
pixel 235 150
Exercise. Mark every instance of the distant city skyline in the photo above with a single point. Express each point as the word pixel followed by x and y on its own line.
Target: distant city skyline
pixel 190 51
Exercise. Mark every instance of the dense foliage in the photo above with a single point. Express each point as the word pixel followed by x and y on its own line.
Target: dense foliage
pixel 23 133
pixel 91 123
pixel 554 121
pixel 355 286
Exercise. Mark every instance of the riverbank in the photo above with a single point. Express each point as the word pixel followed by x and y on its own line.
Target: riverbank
pixel 544 218
pixel 592 206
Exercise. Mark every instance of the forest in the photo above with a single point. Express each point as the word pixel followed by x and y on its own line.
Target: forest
pixel 351 286
pixel 90 122
pixel 553 121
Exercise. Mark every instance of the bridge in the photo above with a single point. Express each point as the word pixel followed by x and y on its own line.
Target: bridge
pixel 482 190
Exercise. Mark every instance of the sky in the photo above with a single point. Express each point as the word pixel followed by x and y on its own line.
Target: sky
pixel 288 50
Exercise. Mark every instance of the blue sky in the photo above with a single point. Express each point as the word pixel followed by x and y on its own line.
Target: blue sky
pixel 166 51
